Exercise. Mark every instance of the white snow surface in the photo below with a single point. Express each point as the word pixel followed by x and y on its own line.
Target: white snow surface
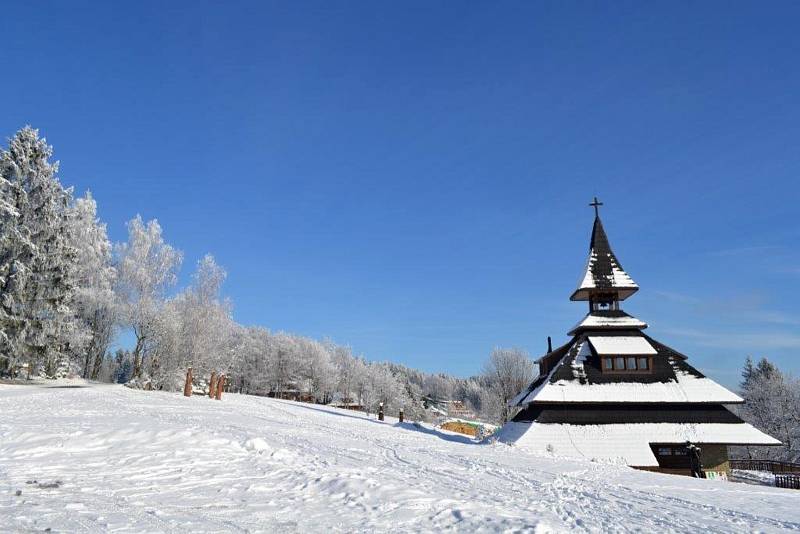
pixel 623 345
pixel 108 458
pixel 687 388
pixel 626 443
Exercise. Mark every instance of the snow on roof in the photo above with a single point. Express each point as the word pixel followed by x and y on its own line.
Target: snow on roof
pixel 629 443
pixel 577 364
pixel 615 278
pixel 600 321
pixel 616 345
pixel 603 270
pixel 687 388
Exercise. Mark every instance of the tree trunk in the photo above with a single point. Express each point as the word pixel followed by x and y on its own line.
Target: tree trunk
pixel 87 363
pixel 137 357
pixel 98 364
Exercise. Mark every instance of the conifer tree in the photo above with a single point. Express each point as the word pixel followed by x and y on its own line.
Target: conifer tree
pixel 16 259
pixel 37 249
pixel 747 373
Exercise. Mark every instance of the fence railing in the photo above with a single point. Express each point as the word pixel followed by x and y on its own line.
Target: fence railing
pixel 787 480
pixel 770 466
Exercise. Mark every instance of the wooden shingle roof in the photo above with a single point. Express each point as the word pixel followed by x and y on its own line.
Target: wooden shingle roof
pixel 604 273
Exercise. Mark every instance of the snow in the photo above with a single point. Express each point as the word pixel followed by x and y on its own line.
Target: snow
pixel 621 345
pixel 763 478
pixel 618 277
pixel 626 443
pixel 596 321
pixel 687 388
pixel 109 458
pixel 588 277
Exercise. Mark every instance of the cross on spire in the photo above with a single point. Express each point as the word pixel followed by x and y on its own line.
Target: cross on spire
pixel 596 204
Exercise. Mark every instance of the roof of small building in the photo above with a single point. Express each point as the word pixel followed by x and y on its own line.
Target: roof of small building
pixel 603 270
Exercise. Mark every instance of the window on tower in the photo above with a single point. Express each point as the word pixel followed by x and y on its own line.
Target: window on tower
pixel 626 364
pixel 604 302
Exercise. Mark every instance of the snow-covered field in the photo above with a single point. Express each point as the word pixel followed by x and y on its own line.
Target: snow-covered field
pixel 106 458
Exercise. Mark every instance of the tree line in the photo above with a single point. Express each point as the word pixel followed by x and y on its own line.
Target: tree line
pixel 66 293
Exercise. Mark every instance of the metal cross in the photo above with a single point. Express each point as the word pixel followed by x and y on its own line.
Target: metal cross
pixel 596 204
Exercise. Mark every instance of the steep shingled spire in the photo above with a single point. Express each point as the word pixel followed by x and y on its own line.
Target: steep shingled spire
pixel 604 275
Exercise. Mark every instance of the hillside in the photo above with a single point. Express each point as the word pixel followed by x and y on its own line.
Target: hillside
pixel 111 458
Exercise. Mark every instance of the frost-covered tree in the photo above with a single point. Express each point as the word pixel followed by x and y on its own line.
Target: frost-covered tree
pixel 194 330
pixel 249 371
pixel 384 387
pixel 315 368
pixel 146 267
pixel 772 404
pixel 17 252
pixel 37 261
pixel 508 371
pixel 346 371
pixel 94 299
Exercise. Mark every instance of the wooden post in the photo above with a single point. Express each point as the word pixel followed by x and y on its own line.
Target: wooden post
pixel 220 385
pixel 212 386
pixel 187 387
pixel 401 415
pixel 380 412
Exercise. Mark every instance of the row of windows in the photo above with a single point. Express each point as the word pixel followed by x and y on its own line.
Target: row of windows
pixel 626 363
pixel 672 451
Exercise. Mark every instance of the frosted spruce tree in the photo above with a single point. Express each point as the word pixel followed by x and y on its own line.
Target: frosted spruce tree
pixel 38 261
pixel 17 252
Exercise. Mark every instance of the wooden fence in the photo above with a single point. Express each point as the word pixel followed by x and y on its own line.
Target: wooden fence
pixel 787 481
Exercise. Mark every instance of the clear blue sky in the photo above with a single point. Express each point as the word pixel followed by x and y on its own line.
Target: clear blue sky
pixel 413 178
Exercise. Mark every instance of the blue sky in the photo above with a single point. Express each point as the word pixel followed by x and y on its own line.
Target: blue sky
pixel 413 178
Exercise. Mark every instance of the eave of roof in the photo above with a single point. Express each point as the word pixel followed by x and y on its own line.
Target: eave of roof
pixel 607 320
pixel 629 442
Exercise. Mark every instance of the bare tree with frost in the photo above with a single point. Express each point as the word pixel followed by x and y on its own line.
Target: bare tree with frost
pixel 147 266
pixel 508 371
pixel 94 299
